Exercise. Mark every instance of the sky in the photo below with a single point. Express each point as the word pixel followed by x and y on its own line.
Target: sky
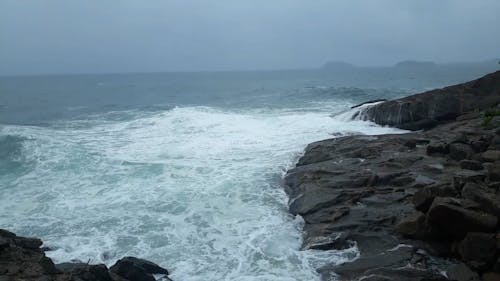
pixel 104 36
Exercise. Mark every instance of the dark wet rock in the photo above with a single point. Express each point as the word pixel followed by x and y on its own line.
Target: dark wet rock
pixel 389 265
pixel 423 198
pixel 461 272
pixel 6 234
pixel 364 199
pixel 462 177
pixel 460 151
pixel 428 109
pixel 69 266
pixel 448 216
pixel 438 147
pixel 471 165
pixel 478 250
pixel 487 200
pixel 87 272
pixel 21 258
pixel 491 155
pixel 414 226
pixel 137 269
pixel 427 190
pixel 28 243
pixel 493 171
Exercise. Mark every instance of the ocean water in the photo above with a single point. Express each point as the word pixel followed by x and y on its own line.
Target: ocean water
pixel 182 169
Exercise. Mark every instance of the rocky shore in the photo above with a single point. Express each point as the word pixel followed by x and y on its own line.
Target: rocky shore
pixel 419 206
pixel 23 259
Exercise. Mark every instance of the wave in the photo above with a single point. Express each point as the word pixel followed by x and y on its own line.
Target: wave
pixel 196 189
pixel 355 113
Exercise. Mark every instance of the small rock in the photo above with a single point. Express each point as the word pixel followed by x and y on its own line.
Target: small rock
pixel 478 250
pixel 414 226
pixel 495 143
pixel 464 176
pixel 491 155
pixel 493 171
pixel 460 151
pixel 411 144
pixel 471 165
pixel 461 272
pixel 137 269
pixel 422 199
pixel 480 145
pixel 488 201
pixel 437 148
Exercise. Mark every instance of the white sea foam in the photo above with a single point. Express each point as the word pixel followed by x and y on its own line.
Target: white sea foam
pixel 194 189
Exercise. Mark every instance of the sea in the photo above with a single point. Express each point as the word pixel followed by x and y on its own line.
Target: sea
pixel 183 169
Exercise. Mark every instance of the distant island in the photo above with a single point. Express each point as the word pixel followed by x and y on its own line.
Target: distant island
pixel 338 65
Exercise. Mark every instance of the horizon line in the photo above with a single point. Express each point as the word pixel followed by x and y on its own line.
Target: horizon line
pixel 322 67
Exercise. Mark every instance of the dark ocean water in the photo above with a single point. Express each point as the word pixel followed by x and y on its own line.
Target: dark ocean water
pixel 180 168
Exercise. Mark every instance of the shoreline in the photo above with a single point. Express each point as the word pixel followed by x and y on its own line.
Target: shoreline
pixel 418 205
pixel 22 258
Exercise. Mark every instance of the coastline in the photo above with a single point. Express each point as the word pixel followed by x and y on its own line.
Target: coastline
pixel 419 206
pixel 23 258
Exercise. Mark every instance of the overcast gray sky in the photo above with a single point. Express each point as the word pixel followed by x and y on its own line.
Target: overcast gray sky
pixel 95 36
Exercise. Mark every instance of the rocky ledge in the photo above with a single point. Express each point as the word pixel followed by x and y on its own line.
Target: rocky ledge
pixel 419 206
pixel 429 109
pixel 21 258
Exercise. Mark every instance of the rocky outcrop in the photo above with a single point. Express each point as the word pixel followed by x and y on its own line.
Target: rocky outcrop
pixel 426 110
pixel 22 258
pixel 419 206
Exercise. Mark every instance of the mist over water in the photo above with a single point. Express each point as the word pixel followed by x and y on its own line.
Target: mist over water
pixel 184 170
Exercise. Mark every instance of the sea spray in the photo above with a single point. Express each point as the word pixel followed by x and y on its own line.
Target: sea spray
pixel 196 189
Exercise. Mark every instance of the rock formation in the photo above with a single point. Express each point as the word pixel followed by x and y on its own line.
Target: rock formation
pixel 419 206
pixel 22 258
pixel 426 110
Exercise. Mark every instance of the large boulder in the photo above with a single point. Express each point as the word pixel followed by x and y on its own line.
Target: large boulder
pixel 414 226
pixel 428 109
pixel 487 200
pixel 137 269
pixel 478 250
pixel 449 218
pixel 422 199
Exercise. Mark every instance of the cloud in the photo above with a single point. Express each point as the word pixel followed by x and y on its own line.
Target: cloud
pixel 58 36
